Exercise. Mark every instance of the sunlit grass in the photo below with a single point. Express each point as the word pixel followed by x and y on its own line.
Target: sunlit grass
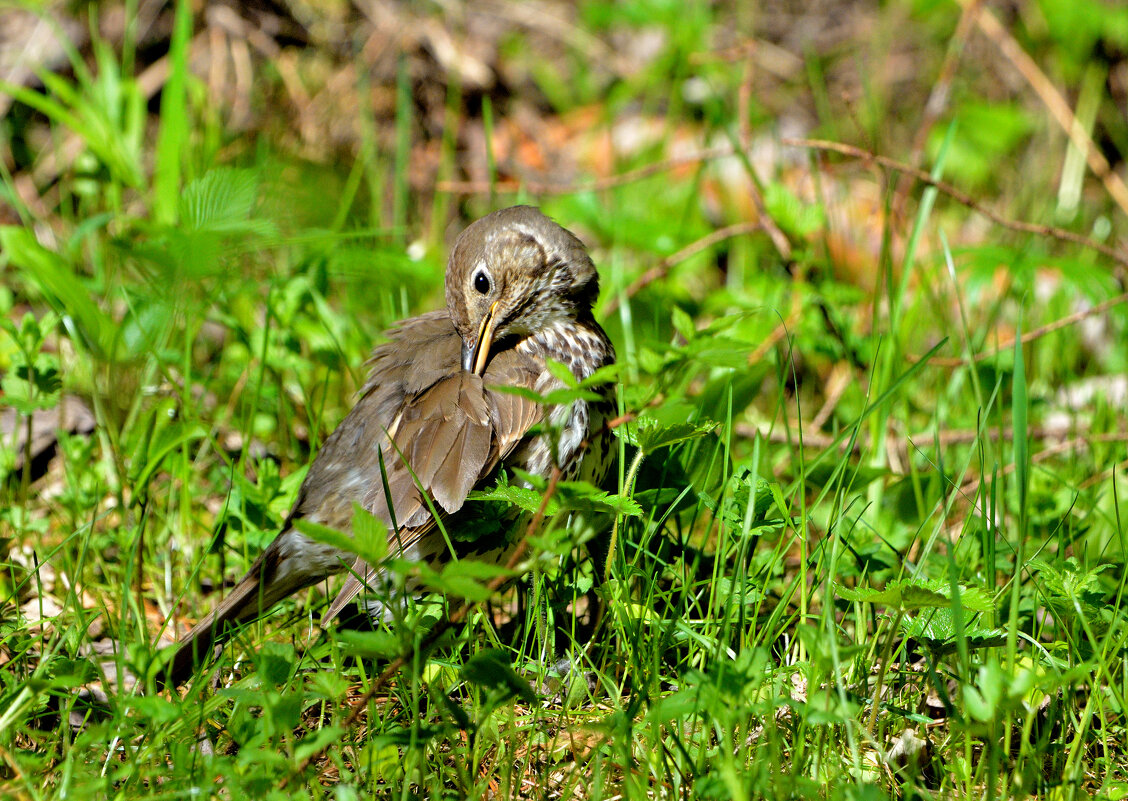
pixel 852 558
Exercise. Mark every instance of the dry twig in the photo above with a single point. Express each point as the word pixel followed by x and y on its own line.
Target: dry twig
pixel 938 98
pixel 1029 336
pixel 1066 446
pixel 663 267
pixel 597 185
pixel 1054 102
pixel 964 199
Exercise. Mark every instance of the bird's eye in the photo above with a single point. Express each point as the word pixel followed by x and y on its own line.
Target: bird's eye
pixel 482 283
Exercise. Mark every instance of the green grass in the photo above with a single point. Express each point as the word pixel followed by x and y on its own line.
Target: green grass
pixel 837 527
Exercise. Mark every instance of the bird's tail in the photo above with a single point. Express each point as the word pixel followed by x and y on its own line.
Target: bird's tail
pixel 361 574
pixel 262 587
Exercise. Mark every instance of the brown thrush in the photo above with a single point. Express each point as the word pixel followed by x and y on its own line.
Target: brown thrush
pixel 519 291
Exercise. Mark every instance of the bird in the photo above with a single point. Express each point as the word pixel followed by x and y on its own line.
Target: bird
pixel 438 418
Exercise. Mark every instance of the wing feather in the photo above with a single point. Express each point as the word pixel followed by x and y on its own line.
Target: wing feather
pixel 446 431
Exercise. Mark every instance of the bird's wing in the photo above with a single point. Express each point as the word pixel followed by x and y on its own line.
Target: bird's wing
pixel 512 414
pixel 444 438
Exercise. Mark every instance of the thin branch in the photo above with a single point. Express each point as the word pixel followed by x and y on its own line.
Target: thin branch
pixel 944 438
pixel 938 98
pixel 1066 446
pixel 660 270
pixel 611 181
pixel 780 331
pixel 836 385
pixel 1029 336
pixel 1054 102
pixel 598 185
pixel 962 198
pixel 1102 476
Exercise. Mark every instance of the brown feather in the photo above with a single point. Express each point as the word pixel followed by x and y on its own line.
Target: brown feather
pixel 359 575
pixel 261 588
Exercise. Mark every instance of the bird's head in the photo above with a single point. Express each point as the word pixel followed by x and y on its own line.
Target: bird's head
pixel 511 274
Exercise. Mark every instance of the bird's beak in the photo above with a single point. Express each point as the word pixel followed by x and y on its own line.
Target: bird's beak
pixel 474 357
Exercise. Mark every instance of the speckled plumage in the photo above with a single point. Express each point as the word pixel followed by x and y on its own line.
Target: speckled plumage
pixel 431 413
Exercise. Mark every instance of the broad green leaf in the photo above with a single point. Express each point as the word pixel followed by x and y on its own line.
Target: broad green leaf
pixel 314 743
pixel 155 710
pixel 570 496
pixel 979 706
pixel 678 705
pixel 1068 581
pixel 736 500
pixel 580 496
pixel 683 323
pixel 222 200
pixel 340 540
pixel 562 373
pixel 62 287
pixel 607 374
pixel 908 594
pixel 1072 593
pixel 649 435
pixel 795 217
pixel 936 629
pixel 465 578
pixel 524 498
pixel 274 662
pixel 493 670
pixel 30 387
pixel 371 533
pixel 477 569
pixel 378 644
